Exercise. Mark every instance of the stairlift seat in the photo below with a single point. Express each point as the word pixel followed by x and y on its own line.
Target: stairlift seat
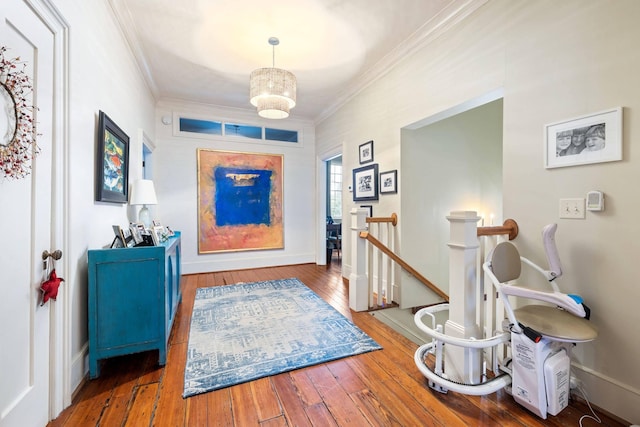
pixel 556 324
pixel 564 322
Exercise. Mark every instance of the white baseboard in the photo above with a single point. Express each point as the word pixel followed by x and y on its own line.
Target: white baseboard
pixel 619 399
pixel 79 368
pixel 241 263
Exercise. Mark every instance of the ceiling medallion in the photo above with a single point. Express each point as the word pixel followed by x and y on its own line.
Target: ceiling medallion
pixel 17 125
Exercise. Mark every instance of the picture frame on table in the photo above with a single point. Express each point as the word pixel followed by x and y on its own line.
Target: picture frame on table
pixel 119 240
pixel 365 154
pixel 167 231
pixel 389 182
pixel 137 230
pixel 365 183
pixel 112 162
pixel 127 237
pixel 158 234
pixel 592 138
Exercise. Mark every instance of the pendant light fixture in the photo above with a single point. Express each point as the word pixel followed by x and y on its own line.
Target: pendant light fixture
pixel 273 90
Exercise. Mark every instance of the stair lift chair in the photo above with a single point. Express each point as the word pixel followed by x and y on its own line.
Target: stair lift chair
pixel 541 335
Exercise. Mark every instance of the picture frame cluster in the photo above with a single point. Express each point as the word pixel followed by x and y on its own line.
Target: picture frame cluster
pixel 136 235
pixel 367 182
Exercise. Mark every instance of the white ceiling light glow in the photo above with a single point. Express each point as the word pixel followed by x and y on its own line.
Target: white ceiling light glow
pixel 273 90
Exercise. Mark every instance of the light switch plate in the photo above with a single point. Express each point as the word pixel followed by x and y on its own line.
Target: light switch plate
pixel 572 208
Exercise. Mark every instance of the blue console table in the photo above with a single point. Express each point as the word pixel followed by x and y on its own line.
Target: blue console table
pixel 133 297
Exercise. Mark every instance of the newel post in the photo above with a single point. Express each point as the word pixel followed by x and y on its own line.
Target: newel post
pixel 358 283
pixel 464 364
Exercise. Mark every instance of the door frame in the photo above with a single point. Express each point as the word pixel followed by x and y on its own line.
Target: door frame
pixel 321 214
pixel 60 311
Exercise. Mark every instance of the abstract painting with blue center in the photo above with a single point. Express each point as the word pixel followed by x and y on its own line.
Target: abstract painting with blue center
pixel 239 201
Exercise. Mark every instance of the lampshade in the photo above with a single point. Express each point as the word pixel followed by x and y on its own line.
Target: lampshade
pixel 143 193
pixel 272 90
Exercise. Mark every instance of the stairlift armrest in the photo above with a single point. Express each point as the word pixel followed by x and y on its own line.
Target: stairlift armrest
pixel 546 273
pixel 559 299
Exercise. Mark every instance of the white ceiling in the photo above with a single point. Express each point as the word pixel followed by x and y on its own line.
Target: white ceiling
pixel 204 50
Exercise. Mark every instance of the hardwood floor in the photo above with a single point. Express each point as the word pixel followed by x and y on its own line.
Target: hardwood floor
pixel 381 388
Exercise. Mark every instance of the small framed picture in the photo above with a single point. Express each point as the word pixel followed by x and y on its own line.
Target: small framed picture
pixel 158 234
pixel 119 241
pixel 593 138
pixel 136 232
pixel 365 183
pixel 127 237
pixel 366 152
pixel 389 182
pixel 370 209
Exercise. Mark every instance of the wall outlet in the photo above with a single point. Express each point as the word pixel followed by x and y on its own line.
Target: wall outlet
pixel 572 208
pixel 574 382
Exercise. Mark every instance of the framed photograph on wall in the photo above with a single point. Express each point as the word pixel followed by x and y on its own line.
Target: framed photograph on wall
pixel 366 152
pixel 593 138
pixel 389 182
pixel 112 162
pixel 365 183
pixel 369 208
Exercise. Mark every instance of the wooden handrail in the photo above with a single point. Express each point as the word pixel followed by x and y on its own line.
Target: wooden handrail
pixel 378 244
pixel 393 219
pixel 509 227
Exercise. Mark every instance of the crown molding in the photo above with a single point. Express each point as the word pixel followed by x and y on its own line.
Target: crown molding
pixel 127 26
pixel 445 20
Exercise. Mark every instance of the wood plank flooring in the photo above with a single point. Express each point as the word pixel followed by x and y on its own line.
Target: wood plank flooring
pixel 381 388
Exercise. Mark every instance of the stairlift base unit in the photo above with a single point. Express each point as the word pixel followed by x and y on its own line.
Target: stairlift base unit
pixel 557 372
pixel 540 374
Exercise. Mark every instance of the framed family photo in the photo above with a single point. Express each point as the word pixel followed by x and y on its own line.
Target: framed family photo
pixel 593 138
pixel 389 182
pixel 366 152
pixel 365 183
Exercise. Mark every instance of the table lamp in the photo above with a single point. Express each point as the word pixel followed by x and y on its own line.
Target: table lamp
pixel 143 193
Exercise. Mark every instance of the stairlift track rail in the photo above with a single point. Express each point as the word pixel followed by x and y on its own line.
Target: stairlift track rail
pixel 535 370
pixel 436 379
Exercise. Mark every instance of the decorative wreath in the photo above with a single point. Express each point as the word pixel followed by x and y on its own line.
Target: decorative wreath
pixel 17 127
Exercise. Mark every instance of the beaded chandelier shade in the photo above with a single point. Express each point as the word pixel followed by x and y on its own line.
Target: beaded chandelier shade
pixel 273 90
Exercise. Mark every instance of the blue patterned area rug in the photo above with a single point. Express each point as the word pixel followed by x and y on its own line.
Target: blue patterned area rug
pixel 248 331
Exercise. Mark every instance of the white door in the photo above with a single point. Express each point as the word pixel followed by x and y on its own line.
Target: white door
pixel 25 218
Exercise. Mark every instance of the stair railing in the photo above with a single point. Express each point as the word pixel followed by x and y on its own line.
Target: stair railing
pixel 376 234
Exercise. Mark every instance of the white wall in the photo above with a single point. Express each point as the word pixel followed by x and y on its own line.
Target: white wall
pixel 175 178
pixel 453 162
pixel 553 60
pixel 103 76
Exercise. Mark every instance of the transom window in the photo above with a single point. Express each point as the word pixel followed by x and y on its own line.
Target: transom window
pixel 213 127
